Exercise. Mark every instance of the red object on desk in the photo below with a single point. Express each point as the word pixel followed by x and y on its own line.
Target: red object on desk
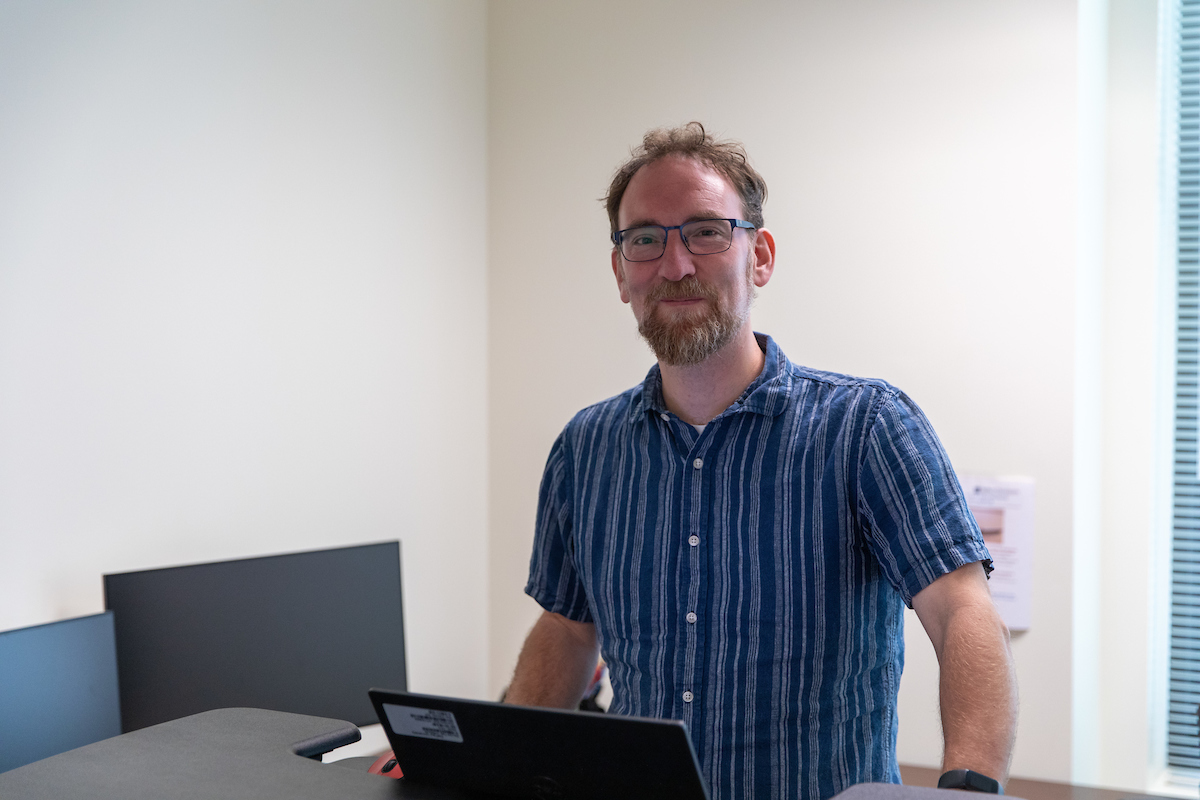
pixel 386 765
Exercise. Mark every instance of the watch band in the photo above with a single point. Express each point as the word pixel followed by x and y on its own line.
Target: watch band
pixel 970 780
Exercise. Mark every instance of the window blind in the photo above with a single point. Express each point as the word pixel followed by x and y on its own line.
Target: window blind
pixel 1183 732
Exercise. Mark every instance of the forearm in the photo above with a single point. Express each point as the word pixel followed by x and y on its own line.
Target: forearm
pixel 556 663
pixel 978 693
pixel 977 685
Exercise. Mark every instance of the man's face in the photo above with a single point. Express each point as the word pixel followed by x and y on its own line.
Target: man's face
pixel 688 306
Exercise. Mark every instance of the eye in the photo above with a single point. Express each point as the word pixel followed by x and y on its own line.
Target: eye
pixel 642 237
pixel 707 229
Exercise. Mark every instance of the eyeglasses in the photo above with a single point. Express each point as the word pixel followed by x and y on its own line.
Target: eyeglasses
pixel 701 237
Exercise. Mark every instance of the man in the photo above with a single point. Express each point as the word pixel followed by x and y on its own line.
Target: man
pixel 737 536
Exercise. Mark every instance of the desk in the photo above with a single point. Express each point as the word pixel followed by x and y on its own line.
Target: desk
pixel 1031 789
pixel 230 753
pixel 247 753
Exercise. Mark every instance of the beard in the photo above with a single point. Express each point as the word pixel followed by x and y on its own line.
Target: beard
pixel 691 338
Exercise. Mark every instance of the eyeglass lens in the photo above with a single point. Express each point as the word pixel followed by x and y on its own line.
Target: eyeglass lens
pixel 702 237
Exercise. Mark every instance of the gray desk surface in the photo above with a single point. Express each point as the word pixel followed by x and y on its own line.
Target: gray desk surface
pixel 1032 789
pixel 230 753
pixel 248 753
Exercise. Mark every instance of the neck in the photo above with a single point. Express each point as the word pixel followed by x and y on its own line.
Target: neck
pixel 698 392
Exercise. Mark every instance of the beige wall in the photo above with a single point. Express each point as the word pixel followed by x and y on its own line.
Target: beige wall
pixel 921 161
pixel 242 303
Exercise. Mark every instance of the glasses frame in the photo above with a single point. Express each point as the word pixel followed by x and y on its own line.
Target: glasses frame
pixel 619 236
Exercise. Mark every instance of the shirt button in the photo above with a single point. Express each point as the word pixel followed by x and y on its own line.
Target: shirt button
pixel 691 617
pixel 698 463
pixel 665 416
pixel 688 697
pixel 694 540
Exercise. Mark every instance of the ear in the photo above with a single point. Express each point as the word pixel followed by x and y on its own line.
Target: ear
pixel 764 257
pixel 619 274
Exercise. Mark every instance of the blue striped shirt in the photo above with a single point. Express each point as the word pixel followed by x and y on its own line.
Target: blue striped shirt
pixel 750 579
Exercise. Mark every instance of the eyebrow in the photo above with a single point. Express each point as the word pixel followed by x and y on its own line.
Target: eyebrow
pixel 639 223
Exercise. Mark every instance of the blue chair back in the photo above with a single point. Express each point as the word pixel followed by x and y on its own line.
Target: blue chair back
pixel 58 688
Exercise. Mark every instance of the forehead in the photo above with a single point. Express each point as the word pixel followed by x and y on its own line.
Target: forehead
pixel 675 189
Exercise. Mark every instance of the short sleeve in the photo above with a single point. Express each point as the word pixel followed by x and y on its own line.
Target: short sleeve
pixel 554 581
pixel 915 515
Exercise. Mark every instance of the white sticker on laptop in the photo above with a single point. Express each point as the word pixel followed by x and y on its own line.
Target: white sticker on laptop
pixel 426 723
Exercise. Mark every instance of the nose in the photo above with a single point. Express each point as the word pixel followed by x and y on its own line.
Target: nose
pixel 676 261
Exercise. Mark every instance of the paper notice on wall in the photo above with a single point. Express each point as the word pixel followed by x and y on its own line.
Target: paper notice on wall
pixel 1003 507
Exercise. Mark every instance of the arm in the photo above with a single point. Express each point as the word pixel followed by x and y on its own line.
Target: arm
pixel 556 663
pixel 977 686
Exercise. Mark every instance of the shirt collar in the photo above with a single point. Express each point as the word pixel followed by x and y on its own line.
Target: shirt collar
pixel 766 395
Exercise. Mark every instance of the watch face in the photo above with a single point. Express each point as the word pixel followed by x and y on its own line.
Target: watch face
pixel 981 782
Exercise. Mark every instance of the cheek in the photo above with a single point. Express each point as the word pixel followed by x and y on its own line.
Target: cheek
pixel 634 289
pixel 637 304
pixel 618 268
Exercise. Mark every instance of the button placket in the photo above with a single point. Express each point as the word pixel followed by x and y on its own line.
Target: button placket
pixel 692 635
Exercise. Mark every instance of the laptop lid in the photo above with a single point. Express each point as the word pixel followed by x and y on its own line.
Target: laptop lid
pixel 516 751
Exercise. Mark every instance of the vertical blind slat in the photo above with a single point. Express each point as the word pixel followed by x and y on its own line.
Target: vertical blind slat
pixel 1183 732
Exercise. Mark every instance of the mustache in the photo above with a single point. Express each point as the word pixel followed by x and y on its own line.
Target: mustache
pixel 686 287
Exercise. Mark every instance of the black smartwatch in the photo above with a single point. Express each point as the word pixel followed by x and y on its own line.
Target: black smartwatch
pixel 970 780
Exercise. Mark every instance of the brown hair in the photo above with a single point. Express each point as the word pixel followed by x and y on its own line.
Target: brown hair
pixel 728 158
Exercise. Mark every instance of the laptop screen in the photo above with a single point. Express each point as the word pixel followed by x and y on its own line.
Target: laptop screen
pixel 516 751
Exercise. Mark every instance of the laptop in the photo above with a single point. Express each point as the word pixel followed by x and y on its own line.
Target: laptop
pixel 501 751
